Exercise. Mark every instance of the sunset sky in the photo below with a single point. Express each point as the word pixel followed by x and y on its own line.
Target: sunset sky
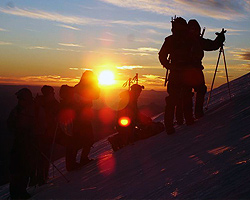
pixel 53 42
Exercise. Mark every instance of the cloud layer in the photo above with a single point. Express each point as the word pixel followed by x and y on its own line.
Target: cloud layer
pixel 222 9
pixel 242 54
pixel 75 20
pixel 5 43
pixel 56 80
pixel 245 56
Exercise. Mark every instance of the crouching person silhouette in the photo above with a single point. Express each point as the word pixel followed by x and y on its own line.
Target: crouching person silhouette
pixel 131 125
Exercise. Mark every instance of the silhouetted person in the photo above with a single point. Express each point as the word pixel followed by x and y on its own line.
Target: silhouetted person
pixel 132 125
pixel 85 92
pixel 66 118
pixel 174 55
pixel 76 118
pixel 127 118
pixel 51 107
pixel 196 76
pixel 131 112
pixel 22 123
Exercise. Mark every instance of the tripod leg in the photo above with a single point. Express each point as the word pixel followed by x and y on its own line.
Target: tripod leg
pixel 226 73
pixel 217 64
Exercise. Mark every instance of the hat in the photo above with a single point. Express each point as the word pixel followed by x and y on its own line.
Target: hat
pixel 24 94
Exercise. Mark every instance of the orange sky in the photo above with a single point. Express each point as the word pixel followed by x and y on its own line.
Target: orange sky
pixel 55 42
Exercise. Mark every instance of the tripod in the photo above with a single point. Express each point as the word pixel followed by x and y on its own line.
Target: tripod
pixel 217 64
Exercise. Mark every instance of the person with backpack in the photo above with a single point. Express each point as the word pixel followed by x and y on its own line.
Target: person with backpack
pixel 174 55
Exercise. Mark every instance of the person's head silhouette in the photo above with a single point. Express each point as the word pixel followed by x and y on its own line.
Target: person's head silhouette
pixel 194 27
pixel 66 93
pixel 88 86
pixel 24 97
pixel 47 90
pixel 135 90
pixel 179 26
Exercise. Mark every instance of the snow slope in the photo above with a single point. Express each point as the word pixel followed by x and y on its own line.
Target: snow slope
pixel 210 159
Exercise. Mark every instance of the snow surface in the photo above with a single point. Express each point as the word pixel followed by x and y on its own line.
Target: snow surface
pixel 208 160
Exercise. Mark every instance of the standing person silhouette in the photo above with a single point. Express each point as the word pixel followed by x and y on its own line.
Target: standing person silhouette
pixel 66 119
pixel 76 117
pixel 196 77
pixel 26 123
pixel 174 55
pixel 85 92
pixel 51 107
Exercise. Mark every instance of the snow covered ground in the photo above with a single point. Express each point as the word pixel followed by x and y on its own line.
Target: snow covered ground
pixel 208 160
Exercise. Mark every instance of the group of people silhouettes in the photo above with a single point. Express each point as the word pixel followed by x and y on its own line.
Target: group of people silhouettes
pixel 37 123
pixel 182 54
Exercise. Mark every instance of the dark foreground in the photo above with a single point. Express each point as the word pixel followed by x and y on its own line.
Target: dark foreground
pixel 208 160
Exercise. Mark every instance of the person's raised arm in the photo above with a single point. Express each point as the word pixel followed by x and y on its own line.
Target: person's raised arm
pixel 212 45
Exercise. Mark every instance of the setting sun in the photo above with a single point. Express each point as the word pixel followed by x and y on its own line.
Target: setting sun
pixel 106 78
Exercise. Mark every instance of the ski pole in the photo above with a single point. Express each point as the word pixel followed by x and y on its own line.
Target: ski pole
pixel 53 146
pixel 50 161
pixel 166 78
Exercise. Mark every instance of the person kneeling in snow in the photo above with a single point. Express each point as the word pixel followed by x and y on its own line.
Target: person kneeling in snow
pixel 132 125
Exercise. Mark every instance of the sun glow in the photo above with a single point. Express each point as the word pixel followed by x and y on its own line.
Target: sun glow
pixel 106 78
